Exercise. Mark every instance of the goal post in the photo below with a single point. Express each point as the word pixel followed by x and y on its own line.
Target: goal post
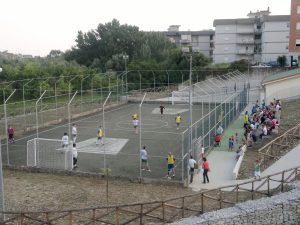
pixel 49 153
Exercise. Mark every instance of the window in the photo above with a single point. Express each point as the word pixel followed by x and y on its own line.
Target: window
pixel 298 26
pixel 226 38
pixel 225 49
pixel 298 9
pixel 288 25
pixel 298 42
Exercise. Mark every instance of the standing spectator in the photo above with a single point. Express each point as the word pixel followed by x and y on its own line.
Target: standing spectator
pixel 161 107
pixel 246 117
pixel 135 125
pixel 263 104
pixel 171 165
pixel 219 130
pixel 205 167
pixel 144 159
pixel 10 132
pixel 192 164
pixel 202 152
pixel 257 169
pixel 75 156
pixel 178 120
pixel 74 132
pixel 230 144
pixel 99 136
pixel 65 140
pixel 218 140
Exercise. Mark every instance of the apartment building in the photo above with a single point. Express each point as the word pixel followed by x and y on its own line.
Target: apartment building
pixel 200 41
pixel 294 44
pixel 260 38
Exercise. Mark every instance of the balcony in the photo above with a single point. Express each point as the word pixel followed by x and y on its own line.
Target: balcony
pixel 244 52
pixel 245 31
pixel 245 41
pixel 185 41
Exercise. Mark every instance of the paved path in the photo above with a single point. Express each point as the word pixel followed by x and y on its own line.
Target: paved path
pixel 221 161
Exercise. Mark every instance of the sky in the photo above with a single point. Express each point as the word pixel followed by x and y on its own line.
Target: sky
pixel 36 27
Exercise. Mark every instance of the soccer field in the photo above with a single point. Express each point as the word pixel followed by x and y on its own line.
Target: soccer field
pixel 122 145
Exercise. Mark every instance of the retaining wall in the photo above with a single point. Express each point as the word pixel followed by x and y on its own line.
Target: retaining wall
pixel 283 208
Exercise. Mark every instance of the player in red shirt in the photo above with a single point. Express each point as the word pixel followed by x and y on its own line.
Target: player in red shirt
pixel 10 132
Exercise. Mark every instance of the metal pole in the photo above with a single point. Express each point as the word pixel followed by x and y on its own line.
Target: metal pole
pixel 140 109
pixel 69 113
pixel 190 106
pixel 104 158
pixel 2 207
pixel 5 116
pixel 36 115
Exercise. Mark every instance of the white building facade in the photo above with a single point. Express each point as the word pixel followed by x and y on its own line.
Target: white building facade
pixel 261 38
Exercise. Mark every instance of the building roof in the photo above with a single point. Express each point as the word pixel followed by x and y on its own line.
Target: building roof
pixel 282 75
pixel 251 20
pixel 193 33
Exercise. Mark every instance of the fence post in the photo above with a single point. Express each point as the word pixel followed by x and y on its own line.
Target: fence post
pixel 268 185
pixel 282 181
pixel 252 190
pixel 221 198
pixel 70 218
pixel 94 216
pixel 117 216
pixel 6 126
pixel 36 114
pixel 237 194
pixel 141 215
pixel 163 211
pixel 69 113
pixel 140 109
pixel 182 212
pixel 202 203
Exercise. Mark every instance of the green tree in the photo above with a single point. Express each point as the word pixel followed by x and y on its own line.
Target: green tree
pixel 281 60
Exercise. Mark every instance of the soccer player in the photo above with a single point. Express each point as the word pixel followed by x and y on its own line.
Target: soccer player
pixel 74 133
pixel 144 159
pixel 75 156
pixel 65 140
pixel 135 125
pixel 178 120
pixel 171 165
pixel 161 107
pixel 135 116
pixel 10 132
pixel 99 135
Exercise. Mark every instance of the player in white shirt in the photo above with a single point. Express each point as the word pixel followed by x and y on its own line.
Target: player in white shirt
pixel 74 132
pixel 65 140
pixel 135 125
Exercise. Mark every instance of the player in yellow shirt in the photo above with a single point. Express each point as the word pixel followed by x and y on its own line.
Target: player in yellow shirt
pixel 135 116
pixel 178 120
pixel 171 165
pixel 99 135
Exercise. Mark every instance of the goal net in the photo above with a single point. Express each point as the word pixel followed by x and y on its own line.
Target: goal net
pixel 48 153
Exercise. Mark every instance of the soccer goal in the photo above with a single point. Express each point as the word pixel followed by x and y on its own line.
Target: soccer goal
pixel 48 153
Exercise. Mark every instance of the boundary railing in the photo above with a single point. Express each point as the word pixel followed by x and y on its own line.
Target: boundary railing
pixel 267 153
pixel 162 211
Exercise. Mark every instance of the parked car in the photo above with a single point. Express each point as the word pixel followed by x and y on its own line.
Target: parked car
pixel 273 64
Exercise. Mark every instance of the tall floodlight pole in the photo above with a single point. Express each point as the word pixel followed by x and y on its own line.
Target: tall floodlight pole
pixel 6 127
pixel 125 57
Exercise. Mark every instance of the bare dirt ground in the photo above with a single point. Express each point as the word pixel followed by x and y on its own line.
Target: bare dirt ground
pixel 41 191
pixel 289 116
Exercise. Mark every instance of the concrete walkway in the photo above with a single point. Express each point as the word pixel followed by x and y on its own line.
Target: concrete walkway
pixel 222 163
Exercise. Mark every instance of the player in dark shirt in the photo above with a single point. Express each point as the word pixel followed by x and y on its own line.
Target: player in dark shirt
pixel 161 107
